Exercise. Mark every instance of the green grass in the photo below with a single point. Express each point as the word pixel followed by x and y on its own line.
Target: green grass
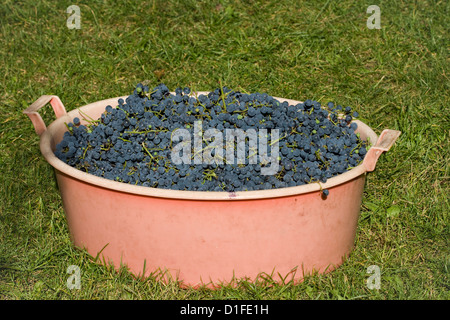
pixel 396 77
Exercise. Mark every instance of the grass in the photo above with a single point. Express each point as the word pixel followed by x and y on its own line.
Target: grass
pixel 396 77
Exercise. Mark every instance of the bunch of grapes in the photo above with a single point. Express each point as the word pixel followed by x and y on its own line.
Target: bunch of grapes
pixel 132 142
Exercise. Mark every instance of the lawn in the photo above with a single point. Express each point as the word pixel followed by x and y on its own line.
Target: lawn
pixel 396 77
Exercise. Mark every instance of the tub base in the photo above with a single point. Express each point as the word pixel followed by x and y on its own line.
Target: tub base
pixel 214 242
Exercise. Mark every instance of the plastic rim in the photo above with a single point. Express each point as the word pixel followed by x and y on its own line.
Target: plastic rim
pixel 57 164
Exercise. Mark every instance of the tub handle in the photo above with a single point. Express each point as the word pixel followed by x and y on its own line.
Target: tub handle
pixel 35 117
pixel 384 143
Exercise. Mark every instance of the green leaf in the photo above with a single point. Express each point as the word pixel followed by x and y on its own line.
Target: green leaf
pixel 393 211
pixel 372 206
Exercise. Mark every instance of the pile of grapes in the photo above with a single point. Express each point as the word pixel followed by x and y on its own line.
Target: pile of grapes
pixel 132 142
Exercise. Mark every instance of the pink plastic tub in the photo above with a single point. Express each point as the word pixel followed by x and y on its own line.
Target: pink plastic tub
pixel 208 238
